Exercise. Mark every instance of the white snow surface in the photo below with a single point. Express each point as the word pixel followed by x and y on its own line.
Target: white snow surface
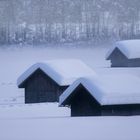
pixel 15 61
pixel 75 128
pixel 39 110
pixel 62 71
pixel 44 121
pixel 109 89
pixel 130 48
pixel 10 88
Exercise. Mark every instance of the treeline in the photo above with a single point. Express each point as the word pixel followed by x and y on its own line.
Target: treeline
pixel 41 21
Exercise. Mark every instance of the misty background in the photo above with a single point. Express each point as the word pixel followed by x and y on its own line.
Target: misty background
pixel 43 21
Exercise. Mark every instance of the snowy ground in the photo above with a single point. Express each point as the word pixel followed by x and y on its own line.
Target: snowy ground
pixel 47 121
pixel 40 110
pixel 66 128
pixel 15 61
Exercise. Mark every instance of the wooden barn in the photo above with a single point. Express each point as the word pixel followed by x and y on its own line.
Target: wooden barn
pixel 108 95
pixel 125 54
pixel 45 82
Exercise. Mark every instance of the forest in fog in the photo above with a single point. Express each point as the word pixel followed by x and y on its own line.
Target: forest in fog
pixel 41 21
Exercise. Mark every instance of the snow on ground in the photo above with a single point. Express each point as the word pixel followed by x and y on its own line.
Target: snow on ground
pixel 83 128
pixel 47 121
pixel 10 94
pixel 40 110
pixel 15 61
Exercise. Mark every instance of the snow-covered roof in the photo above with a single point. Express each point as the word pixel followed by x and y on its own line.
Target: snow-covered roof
pixel 108 89
pixel 130 48
pixel 63 72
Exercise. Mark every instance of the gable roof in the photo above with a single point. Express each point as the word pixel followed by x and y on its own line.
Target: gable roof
pixel 108 89
pixel 130 48
pixel 63 72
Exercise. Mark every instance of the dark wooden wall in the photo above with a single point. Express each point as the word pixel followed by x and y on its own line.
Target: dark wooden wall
pixel 118 59
pixel 134 62
pixel 121 110
pixel 83 104
pixel 41 88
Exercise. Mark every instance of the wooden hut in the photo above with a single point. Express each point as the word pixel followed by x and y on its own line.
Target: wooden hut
pixel 125 54
pixel 45 82
pixel 108 95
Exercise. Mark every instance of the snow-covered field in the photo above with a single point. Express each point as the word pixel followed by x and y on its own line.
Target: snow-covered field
pixel 15 61
pixel 98 128
pixel 47 121
pixel 40 110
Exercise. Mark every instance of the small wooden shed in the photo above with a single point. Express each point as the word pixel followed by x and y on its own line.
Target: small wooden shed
pixel 45 82
pixel 108 95
pixel 125 54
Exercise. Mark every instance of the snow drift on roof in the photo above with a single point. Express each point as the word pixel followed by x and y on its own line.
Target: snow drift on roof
pixel 63 72
pixel 109 89
pixel 130 48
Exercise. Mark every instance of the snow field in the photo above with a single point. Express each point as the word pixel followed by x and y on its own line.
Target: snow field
pixel 89 128
pixel 47 121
